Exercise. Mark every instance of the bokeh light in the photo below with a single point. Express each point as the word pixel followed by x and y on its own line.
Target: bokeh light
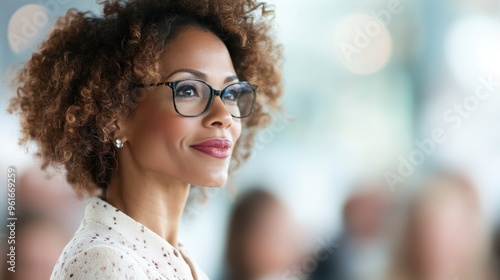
pixel 363 44
pixel 471 49
pixel 27 26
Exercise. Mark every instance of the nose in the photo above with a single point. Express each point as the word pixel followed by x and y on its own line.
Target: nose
pixel 217 115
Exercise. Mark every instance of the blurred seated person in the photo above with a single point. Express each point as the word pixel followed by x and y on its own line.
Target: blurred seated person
pixel 361 252
pixel 263 239
pixel 444 237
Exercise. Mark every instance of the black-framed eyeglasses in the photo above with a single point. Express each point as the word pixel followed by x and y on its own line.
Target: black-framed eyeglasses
pixel 193 97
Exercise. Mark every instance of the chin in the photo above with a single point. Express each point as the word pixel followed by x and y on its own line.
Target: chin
pixel 216 182
pixel 218 179
pixel 210 176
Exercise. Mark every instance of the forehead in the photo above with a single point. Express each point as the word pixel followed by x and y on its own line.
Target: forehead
pixel 199 49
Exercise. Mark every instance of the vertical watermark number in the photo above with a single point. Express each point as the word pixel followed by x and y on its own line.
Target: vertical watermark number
pixel 11 218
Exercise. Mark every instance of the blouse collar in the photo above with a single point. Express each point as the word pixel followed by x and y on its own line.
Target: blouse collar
pixel 159 254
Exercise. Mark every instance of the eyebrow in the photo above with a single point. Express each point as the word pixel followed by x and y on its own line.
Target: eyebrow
pixel 201 75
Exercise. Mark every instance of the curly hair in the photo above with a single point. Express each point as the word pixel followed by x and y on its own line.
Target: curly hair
pixel 79 82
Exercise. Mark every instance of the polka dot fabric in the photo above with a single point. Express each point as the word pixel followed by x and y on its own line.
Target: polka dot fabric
pixel 111 245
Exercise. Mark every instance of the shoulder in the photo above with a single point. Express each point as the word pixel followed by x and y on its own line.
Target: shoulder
pixel 99 262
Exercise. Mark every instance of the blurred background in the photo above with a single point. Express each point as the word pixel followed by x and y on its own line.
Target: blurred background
pixel 388 138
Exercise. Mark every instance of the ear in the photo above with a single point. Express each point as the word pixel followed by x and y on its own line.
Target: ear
pixel 121 129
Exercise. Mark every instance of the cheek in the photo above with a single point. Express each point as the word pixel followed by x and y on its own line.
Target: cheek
pixel 172 128
pixel 236 128
pixel 159 132
pixel 160 140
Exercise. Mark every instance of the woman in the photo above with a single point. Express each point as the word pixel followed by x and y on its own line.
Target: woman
pixel 445 237
pixel 141 103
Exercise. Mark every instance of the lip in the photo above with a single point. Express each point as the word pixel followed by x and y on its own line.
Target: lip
pixel 217 147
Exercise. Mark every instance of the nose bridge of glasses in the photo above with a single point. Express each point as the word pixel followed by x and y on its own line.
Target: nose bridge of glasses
pixel 217 92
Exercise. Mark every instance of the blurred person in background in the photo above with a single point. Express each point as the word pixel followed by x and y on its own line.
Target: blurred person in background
pixel 48 213
pixel 362 250
pixel 40 239
pixel 444 236
pixel 49 192
pixel 496 253
pixel 263 239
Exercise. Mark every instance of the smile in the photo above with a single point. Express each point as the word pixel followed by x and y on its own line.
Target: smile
pixel 218 148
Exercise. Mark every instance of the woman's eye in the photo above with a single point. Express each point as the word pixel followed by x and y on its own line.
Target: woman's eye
pixel 186 91
pixel 231 96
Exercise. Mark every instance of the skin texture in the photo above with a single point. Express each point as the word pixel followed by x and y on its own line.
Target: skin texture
pixel 156 165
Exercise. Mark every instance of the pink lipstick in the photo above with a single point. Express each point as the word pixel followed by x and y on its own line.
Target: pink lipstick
pixel 218 148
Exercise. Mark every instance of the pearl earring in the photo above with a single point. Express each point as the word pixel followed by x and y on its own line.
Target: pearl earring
pixel 118 143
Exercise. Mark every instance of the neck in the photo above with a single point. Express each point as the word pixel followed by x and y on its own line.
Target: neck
pixel 150 199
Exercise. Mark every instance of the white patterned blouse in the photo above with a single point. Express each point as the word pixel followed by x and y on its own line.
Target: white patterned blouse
pixel 111 245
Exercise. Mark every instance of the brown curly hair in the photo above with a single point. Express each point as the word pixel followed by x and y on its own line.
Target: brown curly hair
pixel 80 81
